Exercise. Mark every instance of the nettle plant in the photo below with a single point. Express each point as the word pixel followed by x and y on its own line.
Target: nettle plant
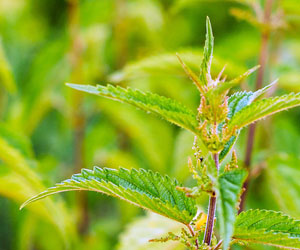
pixel 216 126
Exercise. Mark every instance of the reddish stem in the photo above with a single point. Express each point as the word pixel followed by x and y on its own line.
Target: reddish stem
pixel 263 56
pixel 211 210
pixel 193 234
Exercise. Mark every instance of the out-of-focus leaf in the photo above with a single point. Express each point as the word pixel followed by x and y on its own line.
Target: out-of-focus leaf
pixel 6 75
pixel 140 187
pixel 283 175
pixel 39 94
pixel 290 80
pixel 16 140
pixel 182 150
pixel 168 65
pixel 152 226
pixel 14 159
pixel 20 181
pixel 140 128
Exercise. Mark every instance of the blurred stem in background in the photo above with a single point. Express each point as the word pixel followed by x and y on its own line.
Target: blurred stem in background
pixel 120 33
pixel 263 57
pixel 78 117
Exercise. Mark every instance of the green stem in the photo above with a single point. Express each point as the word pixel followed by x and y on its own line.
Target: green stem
pixel 211 210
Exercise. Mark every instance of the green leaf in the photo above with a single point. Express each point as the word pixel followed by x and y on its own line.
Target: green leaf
pixel 140 128
pixel 241 77
pixel 6 74
pixel 162 65
pixel 191 75
pixel 263 108
pixel 237 102
pixel 224 86
pixel 164 107
pixel 19 181
pixel 16 139
pixel 267 227
pixel 282 177
pixel 228 192
pixel 228 146
pixel 142 188
pixel 207 54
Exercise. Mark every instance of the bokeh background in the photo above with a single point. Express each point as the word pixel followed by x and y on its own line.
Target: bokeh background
pixel 48 131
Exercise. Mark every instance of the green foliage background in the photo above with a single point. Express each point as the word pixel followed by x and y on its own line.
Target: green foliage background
pixel 49 131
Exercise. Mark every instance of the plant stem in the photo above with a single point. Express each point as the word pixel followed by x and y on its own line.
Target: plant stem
pixel 193 234
pixel 263 56
pixel 218 245
pixel 78 117
pixel 211 210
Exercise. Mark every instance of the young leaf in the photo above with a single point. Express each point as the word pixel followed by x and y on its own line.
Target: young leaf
pixel 142 188
pixel 237 102
pixel 228 146
pixel 229 190
pixel 267 227
pixel 263 108
pixel 207 54
pixel 164 107
pixel 224 86
pixel 191 75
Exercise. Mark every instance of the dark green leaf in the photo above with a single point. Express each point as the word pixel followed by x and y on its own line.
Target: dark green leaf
pixel 142 188
pixel 229 190
pixel 267 227
pixel 164 107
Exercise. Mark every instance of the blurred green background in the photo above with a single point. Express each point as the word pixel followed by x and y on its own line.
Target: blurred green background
pixel 48 131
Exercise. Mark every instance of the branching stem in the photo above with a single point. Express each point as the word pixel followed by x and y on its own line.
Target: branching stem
pixel 211 210
pixel 193 234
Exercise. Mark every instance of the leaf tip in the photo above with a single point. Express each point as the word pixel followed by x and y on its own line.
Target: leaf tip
pixel 24 204
pixel 178 57
pixel 255 67
pixel 209 27
pixel 71 85
pixel 83 87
